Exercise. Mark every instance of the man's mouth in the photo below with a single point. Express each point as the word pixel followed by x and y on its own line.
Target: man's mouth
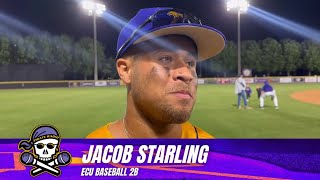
pixel 184 94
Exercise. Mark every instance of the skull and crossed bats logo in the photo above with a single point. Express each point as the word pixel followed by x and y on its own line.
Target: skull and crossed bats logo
pixel 45 156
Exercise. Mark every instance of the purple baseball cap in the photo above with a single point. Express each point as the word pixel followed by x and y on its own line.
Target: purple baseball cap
pixel 151 23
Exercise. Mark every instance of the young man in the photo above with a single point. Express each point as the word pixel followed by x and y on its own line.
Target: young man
pixel 156 58
pixel 267 90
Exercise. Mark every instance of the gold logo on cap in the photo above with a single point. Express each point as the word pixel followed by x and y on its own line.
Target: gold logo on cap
pixel 176 16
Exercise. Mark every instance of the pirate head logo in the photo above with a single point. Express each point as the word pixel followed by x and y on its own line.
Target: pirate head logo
pixel 42 151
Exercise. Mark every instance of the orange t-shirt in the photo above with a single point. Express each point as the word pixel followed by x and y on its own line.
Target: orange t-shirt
pixel 188 132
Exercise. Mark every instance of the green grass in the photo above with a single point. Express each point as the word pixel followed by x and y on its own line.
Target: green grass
pixel 78 111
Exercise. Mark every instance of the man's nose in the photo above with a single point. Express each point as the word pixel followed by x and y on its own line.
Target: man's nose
pixel 183 73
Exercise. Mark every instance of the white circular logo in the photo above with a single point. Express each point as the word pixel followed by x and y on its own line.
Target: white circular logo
pixel 246 72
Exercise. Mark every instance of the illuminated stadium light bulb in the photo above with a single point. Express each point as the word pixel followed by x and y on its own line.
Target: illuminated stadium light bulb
pixel 100 8
pixel 88 5
pixel 231 4
pixel 241 5
pixel 93 7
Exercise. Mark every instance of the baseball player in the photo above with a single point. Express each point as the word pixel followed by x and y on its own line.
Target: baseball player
pixel 267 90
pixel 156 58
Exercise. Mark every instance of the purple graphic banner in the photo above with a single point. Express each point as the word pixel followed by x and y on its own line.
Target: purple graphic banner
pixel 227 159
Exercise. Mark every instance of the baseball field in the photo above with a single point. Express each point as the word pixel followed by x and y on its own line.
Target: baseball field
pixel 78 111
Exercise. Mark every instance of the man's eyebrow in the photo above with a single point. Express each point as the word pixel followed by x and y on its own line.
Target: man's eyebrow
pixel 193 53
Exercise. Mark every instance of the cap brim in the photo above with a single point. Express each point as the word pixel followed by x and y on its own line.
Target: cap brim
pixel 209 41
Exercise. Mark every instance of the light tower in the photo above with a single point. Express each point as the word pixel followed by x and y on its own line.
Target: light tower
pixel 241 6
pixel 94 9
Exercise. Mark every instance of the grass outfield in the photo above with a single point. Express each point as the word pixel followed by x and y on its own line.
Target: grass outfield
pixel 78 111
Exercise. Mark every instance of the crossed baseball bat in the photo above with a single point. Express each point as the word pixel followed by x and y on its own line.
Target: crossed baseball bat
pixel 63 158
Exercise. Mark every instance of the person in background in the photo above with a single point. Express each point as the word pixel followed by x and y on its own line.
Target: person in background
pixel 240 86
pixel 248 92
pixel 267 90
pixel 258 89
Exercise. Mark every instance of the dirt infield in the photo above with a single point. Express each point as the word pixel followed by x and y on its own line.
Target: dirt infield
pixel 308 96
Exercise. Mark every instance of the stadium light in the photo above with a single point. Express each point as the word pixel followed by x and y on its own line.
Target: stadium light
pixel 241 6
pixel 94 9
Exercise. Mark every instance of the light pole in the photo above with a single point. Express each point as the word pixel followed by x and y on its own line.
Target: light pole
pixel 240 6
pixel 94 9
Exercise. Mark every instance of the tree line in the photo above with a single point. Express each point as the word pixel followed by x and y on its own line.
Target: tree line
pixel 265 57
pixel 74 56
pixel 269 57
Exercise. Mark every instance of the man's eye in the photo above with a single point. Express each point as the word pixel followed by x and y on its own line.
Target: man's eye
pixel 166 59
pixel 191 63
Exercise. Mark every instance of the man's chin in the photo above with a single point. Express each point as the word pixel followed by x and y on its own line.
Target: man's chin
pixel 176 112
pixel 179 116
pixel 180 121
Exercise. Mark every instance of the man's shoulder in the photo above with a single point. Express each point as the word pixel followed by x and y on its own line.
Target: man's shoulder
pixel 189 131
pixel 102 132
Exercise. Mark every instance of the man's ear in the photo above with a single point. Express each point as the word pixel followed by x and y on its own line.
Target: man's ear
pixel 124 69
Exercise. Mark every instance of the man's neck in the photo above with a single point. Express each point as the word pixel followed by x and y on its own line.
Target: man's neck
pixel 137 127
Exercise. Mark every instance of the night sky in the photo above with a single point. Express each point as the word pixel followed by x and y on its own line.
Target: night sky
pixel 66 17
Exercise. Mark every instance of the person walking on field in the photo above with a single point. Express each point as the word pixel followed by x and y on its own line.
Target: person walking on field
pixel 240 87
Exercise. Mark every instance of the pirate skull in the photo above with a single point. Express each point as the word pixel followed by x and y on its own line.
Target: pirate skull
pixel 46 148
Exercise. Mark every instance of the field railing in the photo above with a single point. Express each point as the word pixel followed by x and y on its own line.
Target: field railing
pixel 108 83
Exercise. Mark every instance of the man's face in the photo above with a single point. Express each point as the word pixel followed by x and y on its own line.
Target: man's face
pixel 164 80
